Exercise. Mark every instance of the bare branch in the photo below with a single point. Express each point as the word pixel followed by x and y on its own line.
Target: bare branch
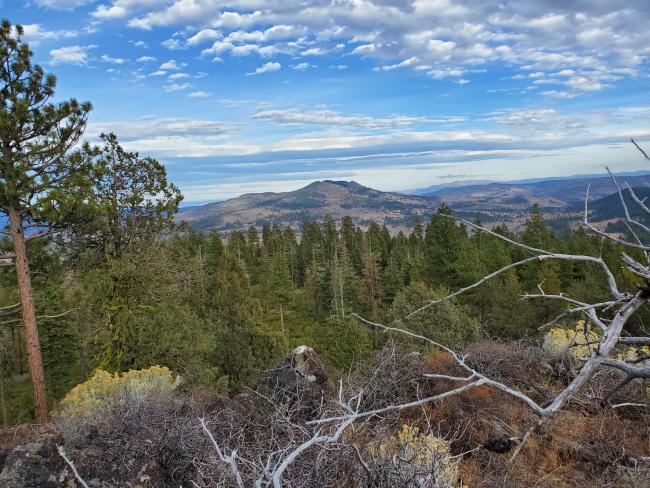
pixel 632 371
pixel 635 341
pixel 230 460
pixel 72 467
pixel 583 308
pixel 461 362
pixel 635 267
pixel 645 155
pixel 623 204
pixel 630 404
pixel 316 439
pixel 10 309
pixel 609 340
pixel 401 406
pixel 41 317
pixel 637 200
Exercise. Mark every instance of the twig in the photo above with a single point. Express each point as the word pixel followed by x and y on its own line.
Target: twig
pixel 639 148
pixel 40 317
pixel 72 467
pixel 229 460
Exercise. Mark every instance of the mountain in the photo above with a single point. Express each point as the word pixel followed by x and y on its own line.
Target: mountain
pixel 560 199
pixel 609 208
pixel 434 189
pixel 510 202
pixel 313 202
pixel 430 190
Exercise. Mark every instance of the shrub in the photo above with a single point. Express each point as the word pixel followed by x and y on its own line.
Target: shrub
pixel 416 458
pixel 575 343
pixel 104 391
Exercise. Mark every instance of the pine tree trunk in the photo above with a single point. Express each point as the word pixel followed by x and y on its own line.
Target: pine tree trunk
pixel 3 403
pixel 18 349
pixel 284 333
pixel 32 342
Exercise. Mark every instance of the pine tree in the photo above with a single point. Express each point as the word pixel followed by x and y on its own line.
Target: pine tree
pixel 371 281
pixel 313 294
pixel 131 199
pixel 237 245
pixel 396 274
pixel 443 242
pixel 447 322
pixel 40 180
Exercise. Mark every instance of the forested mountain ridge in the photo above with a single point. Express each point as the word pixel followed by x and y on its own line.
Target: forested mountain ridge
pixel 492 202
pixel 312 202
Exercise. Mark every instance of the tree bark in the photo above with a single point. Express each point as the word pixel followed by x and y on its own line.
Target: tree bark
pixel 3 403
pixel 32 342
pixel 18 348
pixel 284 334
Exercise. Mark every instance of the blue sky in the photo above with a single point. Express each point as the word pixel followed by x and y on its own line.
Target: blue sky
pixel 269 95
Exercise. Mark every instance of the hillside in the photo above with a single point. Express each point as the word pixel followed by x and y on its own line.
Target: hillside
pixel 313 202
pixel 492 202
pixel 511 201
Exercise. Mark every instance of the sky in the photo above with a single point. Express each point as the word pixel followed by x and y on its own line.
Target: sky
pixel 238 96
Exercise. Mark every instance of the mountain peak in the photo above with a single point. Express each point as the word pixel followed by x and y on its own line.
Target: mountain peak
pixel 341 183
pixel 335 198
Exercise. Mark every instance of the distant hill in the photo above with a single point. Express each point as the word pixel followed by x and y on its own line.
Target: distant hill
pixel 510 202
pixel 313 202
pixel 441 187
pixel 430 190
pixel 492 202
pixel 609 207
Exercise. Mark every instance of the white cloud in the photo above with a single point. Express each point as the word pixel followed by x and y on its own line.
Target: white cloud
pixel 106 12
pixel 192 12
pixel 178 76
pixel 146 59
pixel 173 87
pixel 170 65
pixel 324 116
pixel 122 9
pixel 109 59
pixel 582 83
pixel 204 35
pixel 199 94
pixel 63 4
pixel 150 127
pixel 440 74
pixel 412 61
pixel 34 33
pixel 319 51
pixel 266 68
pixel 301 66
pixel 173 44
pixel 444 36
pixel 69 55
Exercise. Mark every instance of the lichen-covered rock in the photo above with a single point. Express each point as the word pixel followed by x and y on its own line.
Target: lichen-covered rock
pixel 34 465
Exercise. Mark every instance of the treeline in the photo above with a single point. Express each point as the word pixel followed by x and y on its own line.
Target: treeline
pixel 218 311
pixel 333 269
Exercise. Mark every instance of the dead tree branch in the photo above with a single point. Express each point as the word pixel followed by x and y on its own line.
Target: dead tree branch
pixel 230 460
pixel 72 466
